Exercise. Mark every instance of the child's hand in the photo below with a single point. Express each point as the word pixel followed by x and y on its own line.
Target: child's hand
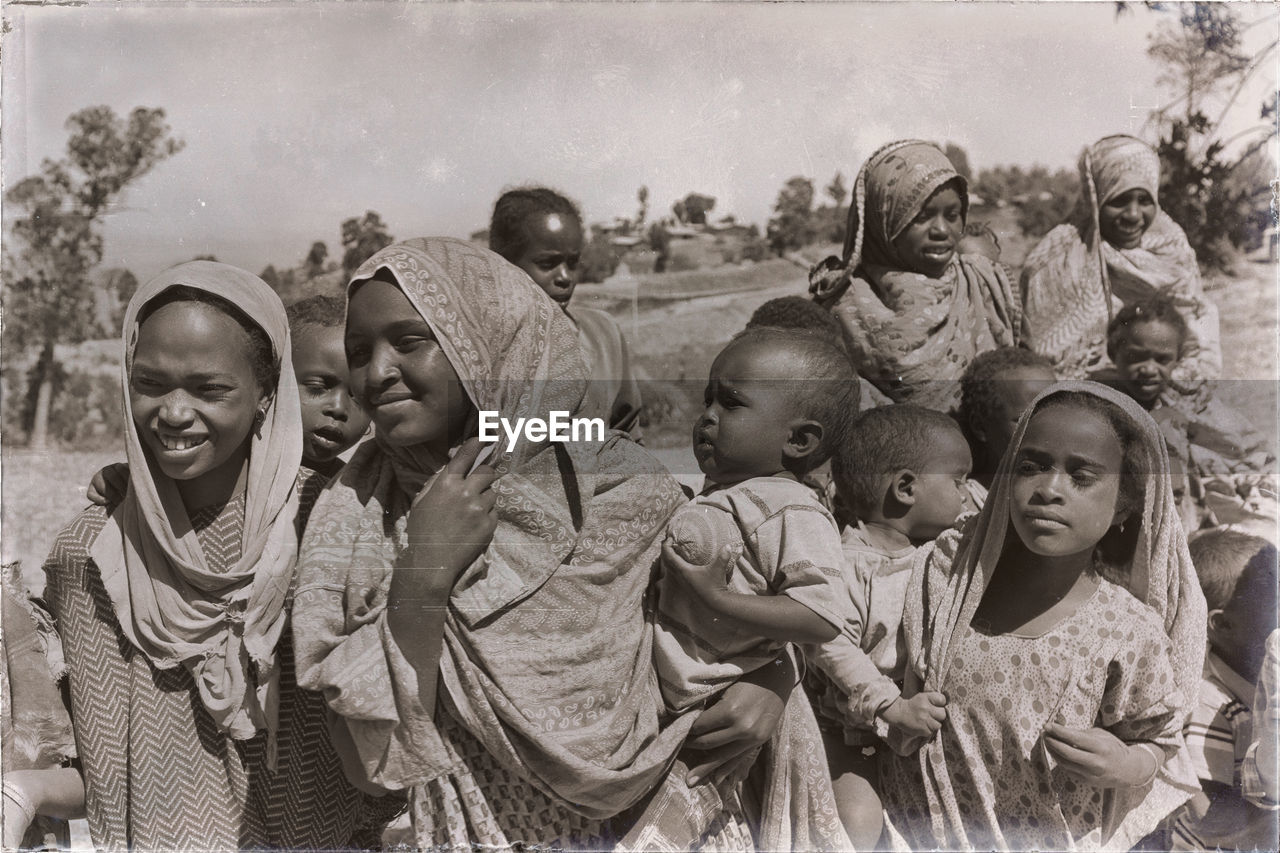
pixel 1099 758
pixel 108 486
pixel 919 716
pixel 452 521
pixel 707 581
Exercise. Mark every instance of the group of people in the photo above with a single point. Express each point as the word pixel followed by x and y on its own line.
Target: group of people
pixel 936 592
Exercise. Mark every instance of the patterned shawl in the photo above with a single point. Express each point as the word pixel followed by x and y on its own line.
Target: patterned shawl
pixel 948 581
pixel 911 335
pixel 1074 281
pixel 547 657
pixel 169 603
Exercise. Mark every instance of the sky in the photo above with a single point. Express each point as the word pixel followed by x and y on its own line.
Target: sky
pixel 299 115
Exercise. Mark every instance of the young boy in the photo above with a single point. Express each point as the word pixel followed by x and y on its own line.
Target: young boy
pixel 332 422
pixel 995 389
pixel 776 405
pixel 1232 463
pixel 904 472
pixel 1238 575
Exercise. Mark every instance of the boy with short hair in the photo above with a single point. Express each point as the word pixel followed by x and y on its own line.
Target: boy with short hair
pixel 1238 575
pixel 904 472
pixel 332 421
pixel 777 404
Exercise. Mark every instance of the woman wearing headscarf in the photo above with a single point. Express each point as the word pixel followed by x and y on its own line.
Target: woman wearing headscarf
pixel 1066 626
pixel 546 727
pixel 171 608
pixel 915 311
pixel 1119 248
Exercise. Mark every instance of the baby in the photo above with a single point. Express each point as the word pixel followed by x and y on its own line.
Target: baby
pixel 903 471
pixel 764 428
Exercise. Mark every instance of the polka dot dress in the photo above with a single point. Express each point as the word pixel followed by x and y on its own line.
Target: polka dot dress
pixel 988 781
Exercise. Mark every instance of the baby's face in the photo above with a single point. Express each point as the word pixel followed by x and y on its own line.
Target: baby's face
pixel 1146 357
pixel 332 421
pixel 940 485
pixel 979 244
pixel 749 412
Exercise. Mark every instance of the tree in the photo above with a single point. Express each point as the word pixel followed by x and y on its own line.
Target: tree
pixel 271 277
pixel 642 196
pixel 315 259
pixel 693 208
pixel 361 238
pixel 792 227
pixel 57 232
pixel 959 159
pixel 1206 66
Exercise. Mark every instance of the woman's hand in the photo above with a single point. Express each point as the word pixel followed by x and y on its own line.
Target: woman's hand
pixel 1099 758
pixel 744 717
pixel 452 521
pixel 108 486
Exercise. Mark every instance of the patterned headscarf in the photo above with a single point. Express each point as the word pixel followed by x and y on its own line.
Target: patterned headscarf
pixel 1073 278
pixel 561 586
pixel 909 334
pixel 170 604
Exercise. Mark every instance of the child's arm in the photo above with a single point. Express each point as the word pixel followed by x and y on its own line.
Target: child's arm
pixel 1098 757
pixel 775 617
pixel 53 792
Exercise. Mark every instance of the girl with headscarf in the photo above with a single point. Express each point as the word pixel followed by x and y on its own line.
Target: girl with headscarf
pixel 915 311
pixel 1120 247
pixel 1066 627
pixel 517 586
pixel 171 608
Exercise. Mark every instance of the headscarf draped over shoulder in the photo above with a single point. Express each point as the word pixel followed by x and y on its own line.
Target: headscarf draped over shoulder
pixel 949 578
pixel 1074 281
pixel 178 612
pixel 547 657
pixel 912 336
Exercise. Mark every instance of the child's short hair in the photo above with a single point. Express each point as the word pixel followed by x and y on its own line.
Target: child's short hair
pixel 881 441
pixel 1156 308
pixel 1220 557
pixel 327 312
pixel 979 393
pixel 826 390
pixel 797 312
pixel 507 234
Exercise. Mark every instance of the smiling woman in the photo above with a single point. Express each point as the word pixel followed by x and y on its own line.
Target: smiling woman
pixel 914 310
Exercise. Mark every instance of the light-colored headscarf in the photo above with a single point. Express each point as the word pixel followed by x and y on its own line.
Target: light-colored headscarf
pixel 1074 280
pixel 168 601
pixel 948 581
pixel 912 336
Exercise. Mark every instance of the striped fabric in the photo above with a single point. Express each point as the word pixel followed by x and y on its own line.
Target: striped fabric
pixel 158 773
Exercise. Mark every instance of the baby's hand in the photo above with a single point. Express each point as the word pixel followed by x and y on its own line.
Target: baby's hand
pixel 109 486
pixel 706 580
pixel 919 716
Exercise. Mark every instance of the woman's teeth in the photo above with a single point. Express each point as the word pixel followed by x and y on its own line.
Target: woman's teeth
pixel 180 443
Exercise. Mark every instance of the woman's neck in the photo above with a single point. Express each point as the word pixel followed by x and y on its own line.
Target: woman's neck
pixel 215 487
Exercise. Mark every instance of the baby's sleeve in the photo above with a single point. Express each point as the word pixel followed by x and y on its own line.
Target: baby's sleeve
pixel 802 543
pixel 863 689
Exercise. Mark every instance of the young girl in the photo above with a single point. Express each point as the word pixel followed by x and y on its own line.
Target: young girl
pixel 481 630
pixel 1066 627
pixel 540 231
pixel 914 309
pixel 171 610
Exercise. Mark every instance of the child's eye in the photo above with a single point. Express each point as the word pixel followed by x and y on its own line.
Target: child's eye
pixel 1027 467
pixel 1084 478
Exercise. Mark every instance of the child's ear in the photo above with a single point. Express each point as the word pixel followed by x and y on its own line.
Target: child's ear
pixel 805 439
pixel 1219 623
pixel 902 488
